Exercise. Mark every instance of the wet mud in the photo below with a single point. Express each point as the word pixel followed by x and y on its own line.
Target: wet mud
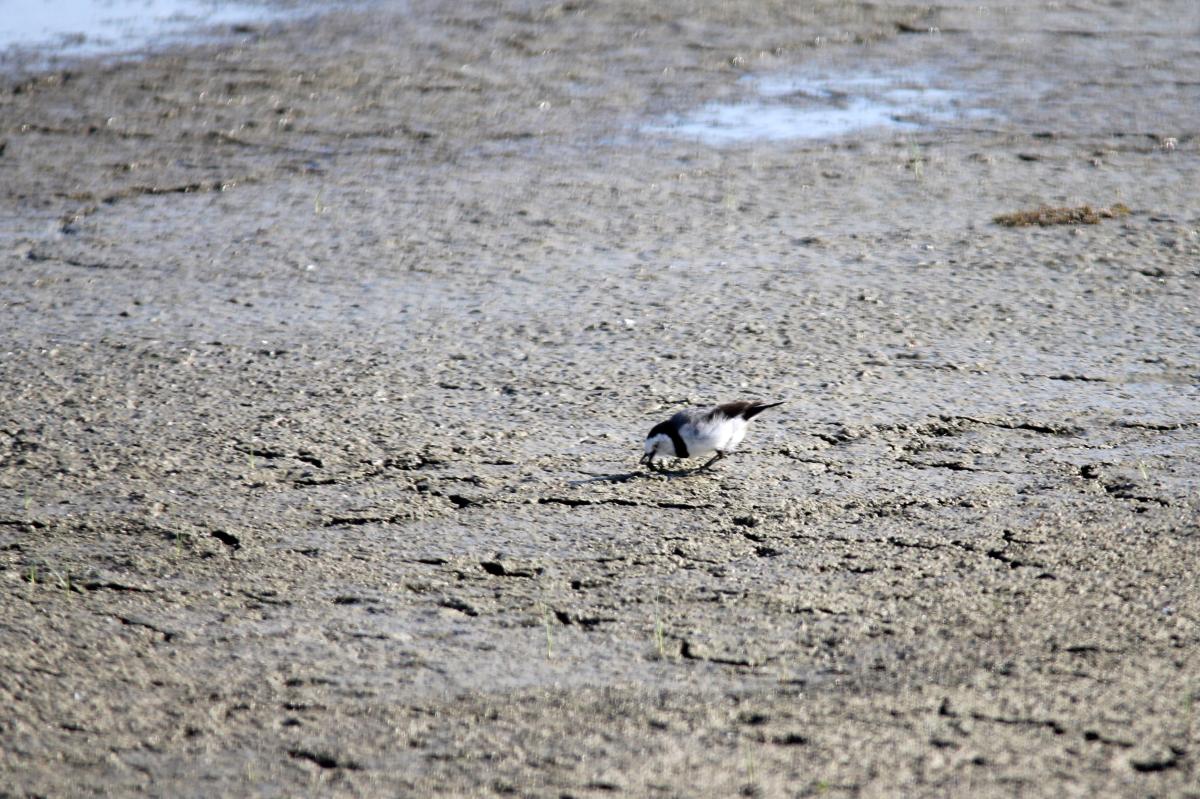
pixel 329 348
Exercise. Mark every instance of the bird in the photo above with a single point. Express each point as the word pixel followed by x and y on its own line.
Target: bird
pixel 699 431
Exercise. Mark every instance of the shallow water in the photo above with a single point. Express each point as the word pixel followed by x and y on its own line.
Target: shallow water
pixel 816 106
pixel 94 27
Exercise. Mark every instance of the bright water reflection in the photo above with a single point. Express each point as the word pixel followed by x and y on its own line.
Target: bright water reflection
pixel 88 27
pixel 798 106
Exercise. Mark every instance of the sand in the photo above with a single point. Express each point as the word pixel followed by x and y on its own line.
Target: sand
pixel 329 347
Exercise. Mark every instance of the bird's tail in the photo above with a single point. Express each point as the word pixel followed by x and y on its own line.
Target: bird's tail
pixel 758 407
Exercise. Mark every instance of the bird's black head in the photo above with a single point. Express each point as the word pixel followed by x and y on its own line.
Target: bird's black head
pixel 664 441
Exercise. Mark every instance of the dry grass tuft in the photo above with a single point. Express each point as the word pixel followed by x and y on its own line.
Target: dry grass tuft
pixel 1047 215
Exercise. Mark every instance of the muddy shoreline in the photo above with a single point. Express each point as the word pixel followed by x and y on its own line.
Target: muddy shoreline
pixel 325 381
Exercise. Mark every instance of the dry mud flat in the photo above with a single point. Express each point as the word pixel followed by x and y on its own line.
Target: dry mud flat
pixel 327 351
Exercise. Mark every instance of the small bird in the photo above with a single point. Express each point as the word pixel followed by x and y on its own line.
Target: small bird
pixel 699 431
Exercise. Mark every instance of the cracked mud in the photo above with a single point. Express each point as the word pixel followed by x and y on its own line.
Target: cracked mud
pixel 325 379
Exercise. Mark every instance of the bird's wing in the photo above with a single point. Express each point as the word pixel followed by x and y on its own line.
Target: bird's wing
pixel 732 410
pixel 757 408
pixel 746 409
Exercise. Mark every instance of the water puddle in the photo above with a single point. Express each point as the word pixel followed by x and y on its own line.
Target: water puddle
pixel 798 106
pixel 36 32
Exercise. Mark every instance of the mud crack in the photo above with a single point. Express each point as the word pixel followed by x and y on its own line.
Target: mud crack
pixel 1127 491
pixel 1151 764
pixel 38 256
pixel 1093 735
pixel 956 466
pixel 577 502
pixel 110 585
pixel 228 539
pixel 687 652
pixel 1156 426
pixel 128 621
pixel 1013 563
pixel 322 759
pixel 268 453
pixel 1033 427
pixel 586 622
pixel 498 569
pixel 1054 726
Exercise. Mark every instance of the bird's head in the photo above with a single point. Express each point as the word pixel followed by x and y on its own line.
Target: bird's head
pixel 658 445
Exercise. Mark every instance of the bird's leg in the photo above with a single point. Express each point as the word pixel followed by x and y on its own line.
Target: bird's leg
pixel 715 458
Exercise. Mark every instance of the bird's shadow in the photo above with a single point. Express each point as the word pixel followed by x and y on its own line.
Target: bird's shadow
pixel 625 477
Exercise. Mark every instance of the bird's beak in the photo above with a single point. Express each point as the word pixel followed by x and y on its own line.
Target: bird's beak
pixel 647 459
